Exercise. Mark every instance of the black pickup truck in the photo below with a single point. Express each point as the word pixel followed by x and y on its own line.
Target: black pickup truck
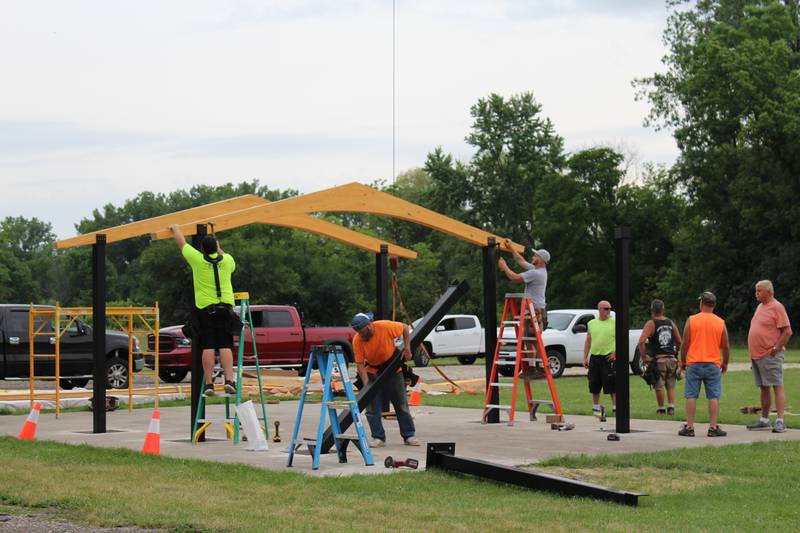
pixel 77 350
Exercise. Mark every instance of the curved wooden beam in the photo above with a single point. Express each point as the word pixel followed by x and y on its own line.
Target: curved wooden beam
pixel 349 198
pixel 338 233
pixel 144 227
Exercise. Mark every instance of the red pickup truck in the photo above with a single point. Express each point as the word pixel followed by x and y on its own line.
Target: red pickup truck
pixel 281 340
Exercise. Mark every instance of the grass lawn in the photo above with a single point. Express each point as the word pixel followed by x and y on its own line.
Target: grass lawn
pixel 738 390
pixel 743 487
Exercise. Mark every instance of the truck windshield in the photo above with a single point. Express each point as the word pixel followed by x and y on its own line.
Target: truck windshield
pixel 559 321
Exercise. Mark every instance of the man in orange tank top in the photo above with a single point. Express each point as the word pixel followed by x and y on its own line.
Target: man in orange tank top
pixel 704 336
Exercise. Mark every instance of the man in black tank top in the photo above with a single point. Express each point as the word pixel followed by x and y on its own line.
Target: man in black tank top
pixel 663 343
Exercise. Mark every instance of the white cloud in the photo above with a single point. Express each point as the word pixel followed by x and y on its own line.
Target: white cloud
pixel 160 95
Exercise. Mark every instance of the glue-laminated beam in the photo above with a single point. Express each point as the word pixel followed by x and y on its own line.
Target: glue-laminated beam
pixel 338 233
pixel 145 227
pixel 350 198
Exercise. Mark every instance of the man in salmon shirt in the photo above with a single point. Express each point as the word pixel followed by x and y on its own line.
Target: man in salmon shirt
pixel 704 336
pixel 374 346
pixel 769 332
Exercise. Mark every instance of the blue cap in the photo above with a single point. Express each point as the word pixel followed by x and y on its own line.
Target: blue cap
pixel 360 320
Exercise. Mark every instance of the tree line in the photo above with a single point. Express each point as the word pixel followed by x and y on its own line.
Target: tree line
pixel 720 219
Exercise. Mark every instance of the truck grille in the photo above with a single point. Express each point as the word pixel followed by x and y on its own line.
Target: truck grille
pixel 166 343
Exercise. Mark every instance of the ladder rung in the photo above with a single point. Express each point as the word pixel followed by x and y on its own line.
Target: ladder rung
pixel 342 403
pixel 541 402
pixel 502 384
pixel 510 322
pixel 44 355
pixel 496 406
pixel 209 420
pixel 347 437
pixel 506 362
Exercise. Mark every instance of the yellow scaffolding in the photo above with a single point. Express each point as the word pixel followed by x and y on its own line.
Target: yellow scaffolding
pixel 47 321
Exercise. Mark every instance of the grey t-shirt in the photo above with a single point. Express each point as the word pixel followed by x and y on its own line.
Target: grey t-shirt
pixel 535 284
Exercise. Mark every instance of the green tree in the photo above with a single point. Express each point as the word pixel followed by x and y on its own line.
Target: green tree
pixel 731 93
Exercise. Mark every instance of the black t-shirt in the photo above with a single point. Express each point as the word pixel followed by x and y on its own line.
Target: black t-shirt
pixel 662 341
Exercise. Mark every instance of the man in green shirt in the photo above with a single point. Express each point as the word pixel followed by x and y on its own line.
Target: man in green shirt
pixel 601 345
pixel 213 300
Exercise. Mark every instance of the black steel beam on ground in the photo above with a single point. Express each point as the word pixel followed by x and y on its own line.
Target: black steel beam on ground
pixel 382 311
pixel 441 455
pixel 453 293
pixel 622 247
pixel 490 321
pixel 197 351
pixel 99 377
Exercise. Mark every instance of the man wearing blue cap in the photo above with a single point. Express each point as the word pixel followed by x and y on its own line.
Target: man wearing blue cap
pixel 374 346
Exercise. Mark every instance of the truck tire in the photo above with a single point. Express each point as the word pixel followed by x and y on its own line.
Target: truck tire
pixel 637 365
pixel 557 361
pixel 466 359
pixel 172 375
pixel 117 375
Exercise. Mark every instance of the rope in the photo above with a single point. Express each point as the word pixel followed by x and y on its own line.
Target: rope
pixel 396 293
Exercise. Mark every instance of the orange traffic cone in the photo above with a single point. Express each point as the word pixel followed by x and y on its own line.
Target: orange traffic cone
pixel 152 442
pixel 416 395
pixel 28 431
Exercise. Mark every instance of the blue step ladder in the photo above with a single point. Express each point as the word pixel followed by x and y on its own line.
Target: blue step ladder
pixel 327 358
pixel 231 423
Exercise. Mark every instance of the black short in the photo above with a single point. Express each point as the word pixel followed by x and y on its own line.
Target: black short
pixel 601 375
pixel 214 328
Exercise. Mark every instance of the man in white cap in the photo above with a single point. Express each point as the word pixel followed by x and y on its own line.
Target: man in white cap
pixel 534 276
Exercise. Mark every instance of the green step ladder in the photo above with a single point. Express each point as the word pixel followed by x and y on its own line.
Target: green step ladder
pixel 326 358
pixel 231 423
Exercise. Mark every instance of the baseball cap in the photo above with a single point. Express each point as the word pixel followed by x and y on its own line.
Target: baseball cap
pixel 544 254
pixel 360 320
pixel 707 298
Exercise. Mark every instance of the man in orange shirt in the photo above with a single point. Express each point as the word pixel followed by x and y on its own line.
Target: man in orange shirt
pixel 704 336
pixel 769 332
pixel 374 346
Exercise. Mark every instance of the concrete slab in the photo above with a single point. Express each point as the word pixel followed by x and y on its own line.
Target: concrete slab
pixel 523 443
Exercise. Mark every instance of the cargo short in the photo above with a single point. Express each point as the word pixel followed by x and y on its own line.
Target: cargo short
pixel 768 371
pixel 667 372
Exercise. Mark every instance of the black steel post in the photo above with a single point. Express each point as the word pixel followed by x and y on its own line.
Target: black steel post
pixel 382 311
pixel 99 377
pixel 622 245
pixel 197 352
pixel 490 320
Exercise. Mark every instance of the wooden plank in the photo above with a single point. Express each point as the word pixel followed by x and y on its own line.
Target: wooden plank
pixel 349 198
pixel 144 227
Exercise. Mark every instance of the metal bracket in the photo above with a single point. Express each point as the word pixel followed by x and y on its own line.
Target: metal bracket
pixel 442 455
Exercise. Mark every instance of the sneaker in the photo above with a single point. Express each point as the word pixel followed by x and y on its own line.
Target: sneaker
pixel 670 411
pixel 377 443
pixel 779 427
pixel 759 425
pixel 661 411
pixel 686 431
pixel 208 391
pixel 230 387
pixel 716 432
pixel 600 413
pixel 412 441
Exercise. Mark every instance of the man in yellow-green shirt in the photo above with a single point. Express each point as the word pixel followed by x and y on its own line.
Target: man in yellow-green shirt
pixel 599 356
pixel 213 299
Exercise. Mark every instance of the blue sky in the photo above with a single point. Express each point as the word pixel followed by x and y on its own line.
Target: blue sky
pixel 102 100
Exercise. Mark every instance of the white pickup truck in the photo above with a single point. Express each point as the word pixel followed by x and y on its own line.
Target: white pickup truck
pixel 455 335
pixel 463 337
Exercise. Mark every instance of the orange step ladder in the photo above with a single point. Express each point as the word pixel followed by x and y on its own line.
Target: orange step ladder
pixel 516 310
